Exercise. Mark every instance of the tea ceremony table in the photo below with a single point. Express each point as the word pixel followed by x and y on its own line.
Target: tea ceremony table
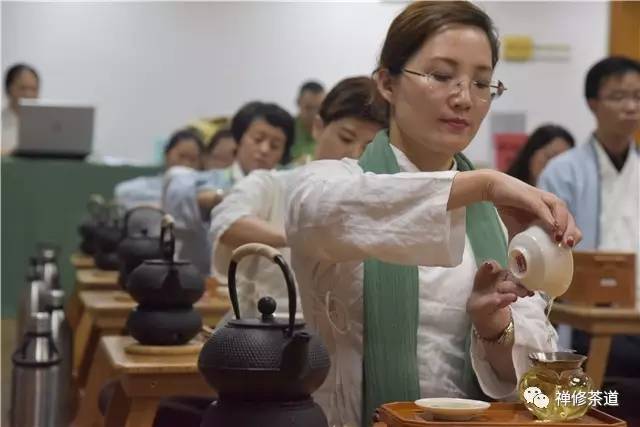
pixel 88 279
pixel 142 381
pixel 602 323
pixel 106 313
pixel 81 261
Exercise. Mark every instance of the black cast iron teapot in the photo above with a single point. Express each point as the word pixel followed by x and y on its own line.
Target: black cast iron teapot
pixel 166 282
pixel 88 228
pixel 108 235
pixel 165 290
pixel 264 359
pixel 140 240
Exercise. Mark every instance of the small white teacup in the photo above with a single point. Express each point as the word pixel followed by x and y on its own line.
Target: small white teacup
pixel 540 263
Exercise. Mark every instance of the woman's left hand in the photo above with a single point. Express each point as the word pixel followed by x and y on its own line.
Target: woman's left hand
pixel 494 289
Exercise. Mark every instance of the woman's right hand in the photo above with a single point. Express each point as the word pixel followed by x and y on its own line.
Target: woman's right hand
pixel 520 204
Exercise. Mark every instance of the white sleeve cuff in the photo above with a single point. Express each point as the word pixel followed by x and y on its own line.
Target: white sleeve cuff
pixel 532 333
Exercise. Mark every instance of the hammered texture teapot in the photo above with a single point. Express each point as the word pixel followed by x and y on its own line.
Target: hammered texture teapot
pixel 266 359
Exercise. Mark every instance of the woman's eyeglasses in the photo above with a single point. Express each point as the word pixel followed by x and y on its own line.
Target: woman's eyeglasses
pixel 484 91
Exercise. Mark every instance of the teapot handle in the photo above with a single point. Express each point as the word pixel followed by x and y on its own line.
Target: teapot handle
pixel 130 212
pixel 114 212
pixel 167 246
pixel 101 211
pixel 275 256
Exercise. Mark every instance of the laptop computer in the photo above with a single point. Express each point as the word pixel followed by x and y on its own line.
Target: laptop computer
pixel 54 129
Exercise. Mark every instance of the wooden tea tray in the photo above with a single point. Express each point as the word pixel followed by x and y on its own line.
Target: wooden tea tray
pixel 407 414
pixel 192 347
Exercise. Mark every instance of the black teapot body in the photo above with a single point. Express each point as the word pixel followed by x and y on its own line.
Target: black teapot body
pixel 108 235
pixel 160 284
pixel 266 359
pixel 153 326
pixel 87 229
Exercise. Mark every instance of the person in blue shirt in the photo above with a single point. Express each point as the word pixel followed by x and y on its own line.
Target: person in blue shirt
pixel 265 134
pixel 183 149
pixel 599 180
pixel 581 175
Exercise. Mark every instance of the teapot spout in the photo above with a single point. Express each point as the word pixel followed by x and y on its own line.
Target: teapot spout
pixel 295 355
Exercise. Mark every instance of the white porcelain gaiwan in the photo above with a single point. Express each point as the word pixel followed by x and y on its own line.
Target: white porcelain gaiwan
pixel 540 263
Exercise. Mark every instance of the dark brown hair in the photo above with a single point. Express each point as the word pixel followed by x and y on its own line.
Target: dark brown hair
pixel 215 139
pixel 14 72
pixel 351 97
pixel 421 20
pixel 540 138
pixel 273 114
pixel 610 66
pixel 181 136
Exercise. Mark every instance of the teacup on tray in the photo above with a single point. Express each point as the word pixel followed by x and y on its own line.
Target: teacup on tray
pixel 452 409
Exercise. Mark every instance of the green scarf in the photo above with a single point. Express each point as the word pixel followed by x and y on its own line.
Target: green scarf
pixel 390 371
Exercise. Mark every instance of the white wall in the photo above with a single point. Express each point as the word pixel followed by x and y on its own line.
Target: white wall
pixel 151 67
pixel 545 91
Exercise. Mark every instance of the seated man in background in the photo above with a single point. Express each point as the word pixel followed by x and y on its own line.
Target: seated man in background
pixel 254 209
pixel 183 149
pixel 599 181
pixel 265 134
pixel 309 100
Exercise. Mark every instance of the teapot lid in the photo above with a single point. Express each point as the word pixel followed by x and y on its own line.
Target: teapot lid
pixel 145 221
pixel 141 234
pixel 266 307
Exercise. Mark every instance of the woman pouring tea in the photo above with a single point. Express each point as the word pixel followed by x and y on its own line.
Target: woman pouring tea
pixel 400 255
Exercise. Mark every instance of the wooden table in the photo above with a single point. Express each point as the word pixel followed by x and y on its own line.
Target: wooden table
pixel 602 323
pixel 88 279
pixel 143 380
pixel 106 313
pixel 81 261
pixel 94 278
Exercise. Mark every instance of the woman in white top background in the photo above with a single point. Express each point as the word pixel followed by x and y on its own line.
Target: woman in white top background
pixel 254 209
pixel 395 255
pixel 21 81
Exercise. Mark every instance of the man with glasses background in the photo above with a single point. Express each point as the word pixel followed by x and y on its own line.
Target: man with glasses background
pixel 600 182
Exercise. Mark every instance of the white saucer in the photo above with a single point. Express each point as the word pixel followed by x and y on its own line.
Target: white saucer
pixel 453 409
